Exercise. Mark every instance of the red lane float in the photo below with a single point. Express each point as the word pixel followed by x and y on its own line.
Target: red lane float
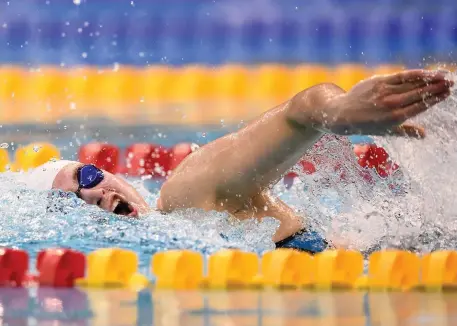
pixel 60 267
pixel 155 160
pixel 147 159
pixel 104 156
pixel 179 152
pixel 139 159
pixel 371 156
pixel 158 161
pixel 14 265
pixel 305 166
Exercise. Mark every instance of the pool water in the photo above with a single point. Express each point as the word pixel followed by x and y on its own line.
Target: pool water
pixel 118 307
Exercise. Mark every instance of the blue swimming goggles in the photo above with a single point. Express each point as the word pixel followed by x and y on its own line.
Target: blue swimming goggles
pixel 88 177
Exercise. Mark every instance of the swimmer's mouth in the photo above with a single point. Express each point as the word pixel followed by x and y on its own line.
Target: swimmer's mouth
pixel 125 209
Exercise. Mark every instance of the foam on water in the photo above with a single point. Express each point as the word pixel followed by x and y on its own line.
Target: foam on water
pixel 414 208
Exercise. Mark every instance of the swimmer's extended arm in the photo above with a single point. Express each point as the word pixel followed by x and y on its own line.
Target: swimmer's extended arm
pixel 230 171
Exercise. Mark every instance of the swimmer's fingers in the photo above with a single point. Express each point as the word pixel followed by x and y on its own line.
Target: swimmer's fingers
pixel 408 130
pixel 419 94
pixel 406 87
pixel 411 76
pixel 414 109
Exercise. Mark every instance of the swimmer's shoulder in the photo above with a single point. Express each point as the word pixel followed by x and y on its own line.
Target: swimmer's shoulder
pixel 159 205
pixel 181 193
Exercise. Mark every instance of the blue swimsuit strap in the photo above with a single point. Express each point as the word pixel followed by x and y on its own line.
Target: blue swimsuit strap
pixel 304 240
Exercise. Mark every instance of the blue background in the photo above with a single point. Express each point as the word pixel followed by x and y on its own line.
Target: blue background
pixel 177 32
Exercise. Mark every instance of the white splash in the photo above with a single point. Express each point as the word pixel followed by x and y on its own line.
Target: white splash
pixel 413 209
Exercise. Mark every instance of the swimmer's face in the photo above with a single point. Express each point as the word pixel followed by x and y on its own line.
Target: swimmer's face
pixel 113 194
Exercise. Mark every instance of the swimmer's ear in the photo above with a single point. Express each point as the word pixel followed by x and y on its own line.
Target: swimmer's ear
pixel 408 130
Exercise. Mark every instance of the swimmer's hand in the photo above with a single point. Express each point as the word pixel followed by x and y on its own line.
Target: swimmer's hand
pixel 380 105
pixel 408 130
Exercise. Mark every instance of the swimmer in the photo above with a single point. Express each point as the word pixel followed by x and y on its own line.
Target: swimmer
pixel 235 173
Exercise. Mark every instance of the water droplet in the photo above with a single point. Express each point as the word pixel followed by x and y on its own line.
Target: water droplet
pixel 77 2
pixel 194 147
pixel 4 145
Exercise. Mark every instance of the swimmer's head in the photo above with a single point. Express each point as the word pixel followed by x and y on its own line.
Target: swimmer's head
pixel 112 193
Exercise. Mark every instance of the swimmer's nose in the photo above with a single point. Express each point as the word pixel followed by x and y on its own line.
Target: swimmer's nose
pixel 94 196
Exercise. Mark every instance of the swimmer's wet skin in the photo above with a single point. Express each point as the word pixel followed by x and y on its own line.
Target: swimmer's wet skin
pixel 234 173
